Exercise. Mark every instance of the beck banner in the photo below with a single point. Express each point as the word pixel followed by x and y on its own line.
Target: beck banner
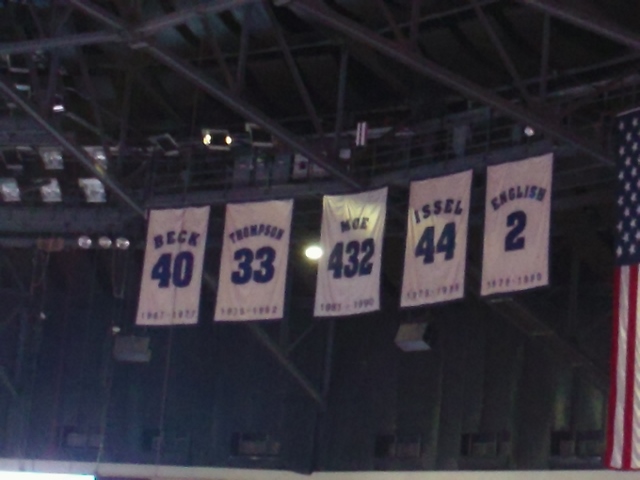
pixel 172 272
pixel 516 225
pixel 436 247
pixel 253 264
pixel 351 238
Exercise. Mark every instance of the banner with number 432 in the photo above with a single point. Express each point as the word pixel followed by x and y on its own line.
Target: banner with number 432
pixel 172 271
pixel 351 238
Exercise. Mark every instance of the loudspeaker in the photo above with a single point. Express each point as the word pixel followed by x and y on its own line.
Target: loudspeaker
pixel 129 348
pixel 415 337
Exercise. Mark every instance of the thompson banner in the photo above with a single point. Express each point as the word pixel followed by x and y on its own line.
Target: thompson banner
pixel 516 225
pixel 436 247
pixel 253 264
pixel 351 238
pixel 172 272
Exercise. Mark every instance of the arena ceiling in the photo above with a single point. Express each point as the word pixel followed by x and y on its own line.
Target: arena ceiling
pixel 442 85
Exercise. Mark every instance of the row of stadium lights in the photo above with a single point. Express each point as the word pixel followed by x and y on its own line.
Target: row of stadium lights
pixel 104 242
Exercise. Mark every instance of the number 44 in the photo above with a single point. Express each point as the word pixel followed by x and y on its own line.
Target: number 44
pixel 427 247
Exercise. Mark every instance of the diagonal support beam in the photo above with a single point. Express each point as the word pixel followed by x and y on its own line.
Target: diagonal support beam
pixel 587 20
pixel 327 17
pixel 504 55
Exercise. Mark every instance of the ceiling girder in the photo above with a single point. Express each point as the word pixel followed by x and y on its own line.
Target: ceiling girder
pixel 588 21
pixel 225 96
pixel 122 34
pixel 327 17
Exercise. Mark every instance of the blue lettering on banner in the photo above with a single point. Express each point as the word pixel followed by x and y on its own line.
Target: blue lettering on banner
pixel 527 192
pixel 449 206
pixel 256 230
pixel 359 223
pixel 171 238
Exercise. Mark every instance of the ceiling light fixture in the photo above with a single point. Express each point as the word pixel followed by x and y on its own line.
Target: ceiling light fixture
pixel 9 190
pixel 105 242
pixel 216 139
pixel 51 158
pixel 93 190
pixel 84 242
pixel 313 252
pixel 122 243
pixel 50 191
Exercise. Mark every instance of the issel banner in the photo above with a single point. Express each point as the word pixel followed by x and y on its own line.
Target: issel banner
pixel 436 243
pixel 172 271
pixel 351 238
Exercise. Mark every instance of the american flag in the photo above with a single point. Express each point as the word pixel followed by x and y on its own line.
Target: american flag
pixel 623 430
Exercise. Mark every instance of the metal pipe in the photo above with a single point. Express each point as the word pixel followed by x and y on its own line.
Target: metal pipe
pixel 8 91
pixel 391 49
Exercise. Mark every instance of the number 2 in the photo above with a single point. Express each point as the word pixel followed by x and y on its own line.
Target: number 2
pixel 517 220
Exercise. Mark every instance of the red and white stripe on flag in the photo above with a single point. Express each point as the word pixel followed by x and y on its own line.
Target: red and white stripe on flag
pixel 623 431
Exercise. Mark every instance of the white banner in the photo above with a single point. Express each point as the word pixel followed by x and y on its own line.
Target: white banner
pixel 172 272
pixel 436 247
pixel 516 225
pixel 253 264
pixel 351 238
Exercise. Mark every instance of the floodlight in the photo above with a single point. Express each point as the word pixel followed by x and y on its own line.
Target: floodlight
pixel 216 139
pixel 313 252
pixel 529 131
pixel 98 155
pixel 93 190
pixel 122 243
pixel 259 137
pixel 58 104
pixel 104 242
pixel 50 191
pixel 9 190
pixel 84 242
pixel 51 157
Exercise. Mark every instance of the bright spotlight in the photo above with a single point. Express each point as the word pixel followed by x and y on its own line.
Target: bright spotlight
pixel 206 139
pixel 529 131
pixel 84 242
pixel 228 140
pixel 122 243
pixel 313 252
pixel 104 242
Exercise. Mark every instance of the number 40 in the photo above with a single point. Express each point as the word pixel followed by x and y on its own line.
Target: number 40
pixel 180 274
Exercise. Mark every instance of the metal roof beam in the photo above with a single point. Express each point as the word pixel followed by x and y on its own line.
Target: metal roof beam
pixel 122 34
pixel 327 17
pixel 587 20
